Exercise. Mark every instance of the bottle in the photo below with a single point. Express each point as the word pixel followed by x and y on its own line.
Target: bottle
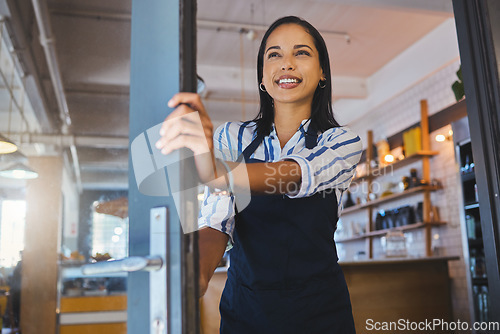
pixel 480 266
pixel 471 226
pixel 472 263
pixel 414 179
pixel 349 201
pixel 480 305
pixel 485 302
pixel 475 298
pixel 467 165
pixel 382 150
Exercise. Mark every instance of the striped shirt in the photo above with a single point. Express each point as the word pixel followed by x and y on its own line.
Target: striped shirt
pixel 330 164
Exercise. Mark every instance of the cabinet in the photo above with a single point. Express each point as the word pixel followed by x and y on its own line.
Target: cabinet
pixel 472 233
pixel 372 204
pixel 91 303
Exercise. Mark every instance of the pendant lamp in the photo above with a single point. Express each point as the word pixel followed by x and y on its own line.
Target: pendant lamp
pixel 19 171
pixel 6 146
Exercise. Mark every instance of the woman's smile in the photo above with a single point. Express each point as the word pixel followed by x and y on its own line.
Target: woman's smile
pixel 288 81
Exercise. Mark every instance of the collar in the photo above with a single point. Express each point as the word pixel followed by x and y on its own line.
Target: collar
pixel 304 126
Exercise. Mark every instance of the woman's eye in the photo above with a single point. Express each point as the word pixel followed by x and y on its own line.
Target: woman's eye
pixel 272 55
pixel 303 52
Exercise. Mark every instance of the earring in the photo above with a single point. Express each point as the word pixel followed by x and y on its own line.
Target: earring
pixel 262 87
pixel 324 84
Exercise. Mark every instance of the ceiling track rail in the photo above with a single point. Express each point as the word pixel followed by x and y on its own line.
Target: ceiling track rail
pixel 67 141
pixel 201 24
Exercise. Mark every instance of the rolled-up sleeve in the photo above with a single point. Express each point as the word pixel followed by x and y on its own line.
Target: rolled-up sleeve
pixel 330 164
pixel 217 211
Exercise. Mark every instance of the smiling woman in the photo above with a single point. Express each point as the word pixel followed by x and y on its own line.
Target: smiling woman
pixel 298 161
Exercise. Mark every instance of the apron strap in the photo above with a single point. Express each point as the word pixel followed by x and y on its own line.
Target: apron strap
pixel 252 147
pixel 311 137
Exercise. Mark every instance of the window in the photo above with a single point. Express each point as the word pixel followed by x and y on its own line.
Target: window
pixel 12 223
pixel 109 235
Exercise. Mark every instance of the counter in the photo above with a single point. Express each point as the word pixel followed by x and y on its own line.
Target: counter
pixel 386 290
pixel 92 303
pixel 417 289
pixel 97 314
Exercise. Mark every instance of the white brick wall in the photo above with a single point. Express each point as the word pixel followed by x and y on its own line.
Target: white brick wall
pixel 393 116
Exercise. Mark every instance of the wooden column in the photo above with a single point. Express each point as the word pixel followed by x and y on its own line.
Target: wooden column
pixel 426 174
pixel 369 158
pixel 42 239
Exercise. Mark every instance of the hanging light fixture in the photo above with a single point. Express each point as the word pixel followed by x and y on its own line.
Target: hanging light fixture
pixel 19 171
pixel 6 145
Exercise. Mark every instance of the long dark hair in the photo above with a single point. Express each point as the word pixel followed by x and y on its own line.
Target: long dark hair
pixel 321 111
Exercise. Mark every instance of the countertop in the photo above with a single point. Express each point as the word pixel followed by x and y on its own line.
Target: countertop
pixel 397 260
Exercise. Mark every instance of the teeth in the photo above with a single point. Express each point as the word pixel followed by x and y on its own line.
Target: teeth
pixel 288 80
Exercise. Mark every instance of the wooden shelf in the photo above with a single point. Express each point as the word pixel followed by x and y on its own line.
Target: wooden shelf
pixel 398 164
pixel 389 198
pixel 423 156
pixel 384 231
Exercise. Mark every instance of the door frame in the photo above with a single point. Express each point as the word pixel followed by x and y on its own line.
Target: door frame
pixel 482 89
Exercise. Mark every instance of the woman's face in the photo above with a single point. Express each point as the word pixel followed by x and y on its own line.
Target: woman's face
pixel 292 70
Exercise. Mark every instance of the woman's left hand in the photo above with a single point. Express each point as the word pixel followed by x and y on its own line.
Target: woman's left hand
pixel 187 126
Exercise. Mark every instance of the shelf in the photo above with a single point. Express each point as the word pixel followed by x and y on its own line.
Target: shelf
pixel 475 242
pixel 398 164
pixel 480 281
pixel 384 231
pixel 389 198
pixel 471 206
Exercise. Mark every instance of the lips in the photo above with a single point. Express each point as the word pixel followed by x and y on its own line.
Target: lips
pixel 288 81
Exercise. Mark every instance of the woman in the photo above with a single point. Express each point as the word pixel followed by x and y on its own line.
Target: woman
pixel 284 276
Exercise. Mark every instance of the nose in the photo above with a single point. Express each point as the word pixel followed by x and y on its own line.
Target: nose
pixel 288 64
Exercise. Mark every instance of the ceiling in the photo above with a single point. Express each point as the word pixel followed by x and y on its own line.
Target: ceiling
pixel 88 52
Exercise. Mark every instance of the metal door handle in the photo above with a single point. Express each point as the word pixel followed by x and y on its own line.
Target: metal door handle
pixel 129 264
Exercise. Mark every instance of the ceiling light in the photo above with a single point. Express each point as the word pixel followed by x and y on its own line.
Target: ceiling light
pixel 7 146
pixel 440 138
pixel 389 158
pixel 19 171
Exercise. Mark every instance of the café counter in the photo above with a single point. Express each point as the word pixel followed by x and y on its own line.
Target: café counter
pixel 383 290
pixel 92 303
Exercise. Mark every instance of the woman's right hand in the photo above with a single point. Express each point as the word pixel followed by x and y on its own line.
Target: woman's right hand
pixel 189 126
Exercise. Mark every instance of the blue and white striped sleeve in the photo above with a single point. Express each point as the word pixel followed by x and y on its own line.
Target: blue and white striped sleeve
pixel 217 211
pixel 331 164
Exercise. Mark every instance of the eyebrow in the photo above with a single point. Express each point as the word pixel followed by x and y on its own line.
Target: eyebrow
pixel 298 46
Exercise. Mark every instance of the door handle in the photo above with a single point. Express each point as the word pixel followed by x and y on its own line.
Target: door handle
pixel 129 264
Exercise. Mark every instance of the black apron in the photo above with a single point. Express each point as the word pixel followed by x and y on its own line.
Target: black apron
pixel 284 276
